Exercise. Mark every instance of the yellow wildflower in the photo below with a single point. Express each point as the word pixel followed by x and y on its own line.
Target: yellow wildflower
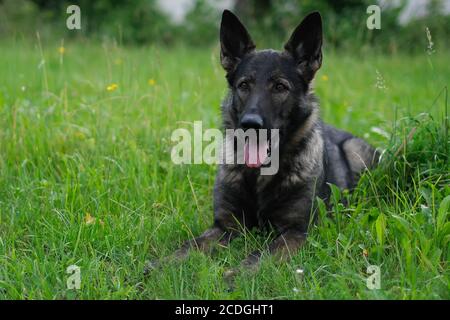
pixel 61 50
pixel 112 87
pixel 151 82
pixel 88 219
pixel 365 253
pixel 325 77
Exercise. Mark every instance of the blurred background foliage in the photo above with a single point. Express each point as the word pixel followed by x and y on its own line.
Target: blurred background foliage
pixel 143 22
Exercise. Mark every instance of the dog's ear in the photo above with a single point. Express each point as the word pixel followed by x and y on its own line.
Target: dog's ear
pixel 235 42
pixel 305 45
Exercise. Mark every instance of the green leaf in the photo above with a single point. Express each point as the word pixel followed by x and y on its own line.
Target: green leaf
pixel 444 233
pixel 336 193
pixel 380 227
pixel 442 213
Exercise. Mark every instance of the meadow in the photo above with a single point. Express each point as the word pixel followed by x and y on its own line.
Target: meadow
pixel 86 177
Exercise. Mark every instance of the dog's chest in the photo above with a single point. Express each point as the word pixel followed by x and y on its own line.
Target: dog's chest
pixel 269 194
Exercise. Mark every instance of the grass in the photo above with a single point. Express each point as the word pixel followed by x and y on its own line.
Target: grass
pixel 86 177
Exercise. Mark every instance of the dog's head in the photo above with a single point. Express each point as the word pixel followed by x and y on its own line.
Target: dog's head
pixel 268 88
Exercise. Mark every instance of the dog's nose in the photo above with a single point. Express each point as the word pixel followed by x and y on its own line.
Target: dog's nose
pixel 251 121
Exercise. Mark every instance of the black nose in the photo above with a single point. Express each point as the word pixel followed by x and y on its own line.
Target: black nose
pixel 251 121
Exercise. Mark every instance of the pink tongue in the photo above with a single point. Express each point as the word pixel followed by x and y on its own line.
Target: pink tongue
pixel 252 158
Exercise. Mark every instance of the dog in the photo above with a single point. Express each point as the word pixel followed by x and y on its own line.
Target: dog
pixel 271 89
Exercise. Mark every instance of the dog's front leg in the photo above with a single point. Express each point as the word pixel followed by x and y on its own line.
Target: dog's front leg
pixel 282 247
pixel 205 242
pixel 287 244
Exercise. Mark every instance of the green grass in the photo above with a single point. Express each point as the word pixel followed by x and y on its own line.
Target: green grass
pixel 70 150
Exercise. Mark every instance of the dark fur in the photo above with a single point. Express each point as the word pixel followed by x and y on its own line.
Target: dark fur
pixel 312 154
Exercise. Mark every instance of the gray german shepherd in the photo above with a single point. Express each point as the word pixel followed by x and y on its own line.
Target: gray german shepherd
pixel 271 89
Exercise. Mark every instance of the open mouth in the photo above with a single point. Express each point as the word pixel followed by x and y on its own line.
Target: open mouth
pixel 256 153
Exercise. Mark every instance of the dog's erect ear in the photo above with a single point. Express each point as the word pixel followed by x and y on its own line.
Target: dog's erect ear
pixel 305 45
pixel 235 41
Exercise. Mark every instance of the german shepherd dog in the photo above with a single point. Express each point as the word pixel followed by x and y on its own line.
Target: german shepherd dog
pixel 271 89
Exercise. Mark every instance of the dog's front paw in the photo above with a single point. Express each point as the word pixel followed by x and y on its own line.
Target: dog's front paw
pixel 229 276
pixel 151 266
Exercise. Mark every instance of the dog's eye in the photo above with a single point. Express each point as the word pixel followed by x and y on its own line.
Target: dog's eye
pixel 243 86
pixel 279 87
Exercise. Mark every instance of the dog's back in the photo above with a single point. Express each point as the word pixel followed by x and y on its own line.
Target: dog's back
pixel 346 157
